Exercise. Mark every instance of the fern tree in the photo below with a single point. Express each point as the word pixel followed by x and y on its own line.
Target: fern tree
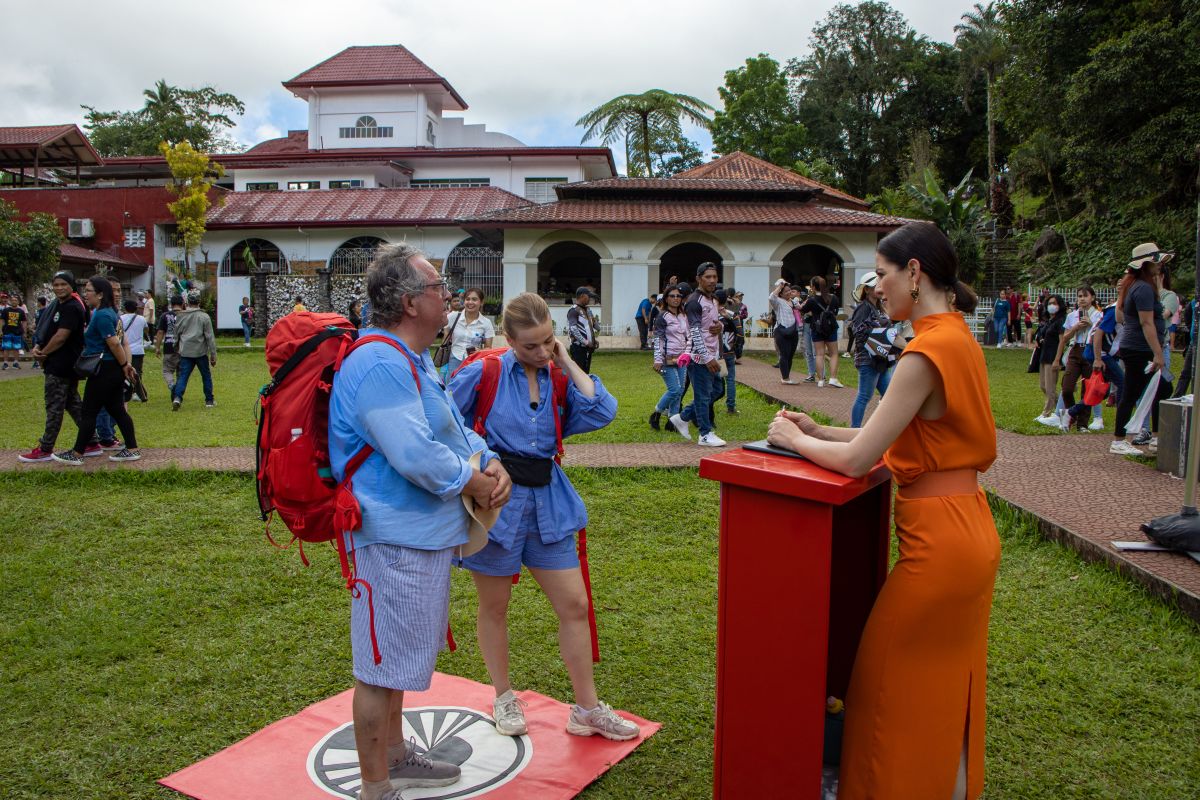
pixel 982 41
pixel 641 119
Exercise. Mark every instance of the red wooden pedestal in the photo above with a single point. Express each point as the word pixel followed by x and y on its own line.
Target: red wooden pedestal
pixel 804 552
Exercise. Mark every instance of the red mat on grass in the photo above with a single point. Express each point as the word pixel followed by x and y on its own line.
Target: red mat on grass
pixel 312 755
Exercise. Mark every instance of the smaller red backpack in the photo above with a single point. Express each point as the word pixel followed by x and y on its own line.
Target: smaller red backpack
pixel 294 478
pixel 485 398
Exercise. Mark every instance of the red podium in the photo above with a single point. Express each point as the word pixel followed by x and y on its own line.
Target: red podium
pixel 804 552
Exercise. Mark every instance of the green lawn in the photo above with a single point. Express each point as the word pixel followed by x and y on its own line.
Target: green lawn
pixel 142 641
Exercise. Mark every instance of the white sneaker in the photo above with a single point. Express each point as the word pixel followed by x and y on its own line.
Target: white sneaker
pixel 999 345
pixel 681 427
pixel 1049 420
pixel 1096 425
pixel 602 720
pixel 510 719
pixel 1153 446
pixel 1064 421
pixel 820 384
pixel 710 439
pixel 788 382
pixel 1121 447
pixel 835 383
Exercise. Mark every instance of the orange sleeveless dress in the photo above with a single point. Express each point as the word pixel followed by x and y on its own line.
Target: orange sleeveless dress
pixel 919 678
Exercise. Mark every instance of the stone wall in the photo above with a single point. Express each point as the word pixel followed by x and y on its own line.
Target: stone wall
pixel 343 289
pixel 281 293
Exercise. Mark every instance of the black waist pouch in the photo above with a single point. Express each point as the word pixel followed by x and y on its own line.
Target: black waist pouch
pixel 526 471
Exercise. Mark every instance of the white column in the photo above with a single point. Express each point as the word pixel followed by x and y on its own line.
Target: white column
pixel 755 281
pixel 852 273
pixel 516 279
pixel 629 284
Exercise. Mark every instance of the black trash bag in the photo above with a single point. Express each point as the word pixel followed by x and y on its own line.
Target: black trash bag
pixel 1176 531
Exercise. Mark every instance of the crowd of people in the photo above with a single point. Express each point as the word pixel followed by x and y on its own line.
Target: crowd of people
pixel 94 337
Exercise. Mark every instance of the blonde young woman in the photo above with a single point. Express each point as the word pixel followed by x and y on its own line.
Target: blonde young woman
pixel 537 527
pixel 915 709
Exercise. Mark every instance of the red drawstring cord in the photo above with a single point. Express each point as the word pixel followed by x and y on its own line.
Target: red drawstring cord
pixel 587 585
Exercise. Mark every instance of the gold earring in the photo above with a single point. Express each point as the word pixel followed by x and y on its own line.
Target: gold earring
pixel 916 294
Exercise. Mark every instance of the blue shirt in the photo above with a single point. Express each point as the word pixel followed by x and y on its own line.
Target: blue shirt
pixel 513 427
pixel 644 308
pixel 102 326
pixel 409 488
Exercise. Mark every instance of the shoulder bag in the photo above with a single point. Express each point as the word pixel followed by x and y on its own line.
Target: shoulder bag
pixel 441 356
pixel 88 366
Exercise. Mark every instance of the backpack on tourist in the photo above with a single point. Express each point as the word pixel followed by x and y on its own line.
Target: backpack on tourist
pixel 485 398
pixel 294 479
pixel 824 320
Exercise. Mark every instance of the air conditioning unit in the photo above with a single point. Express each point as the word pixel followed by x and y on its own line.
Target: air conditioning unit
pixel 80 229
pixel 269 266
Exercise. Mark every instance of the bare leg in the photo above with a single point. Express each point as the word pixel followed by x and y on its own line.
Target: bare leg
pixel 960 782
pixel 831 350
pixel 492 624
pixel 374 707
pixel 565 591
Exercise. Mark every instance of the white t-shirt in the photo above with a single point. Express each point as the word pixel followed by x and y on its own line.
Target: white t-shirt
pixel 1081 336
pixel 469 334
pixel 135 331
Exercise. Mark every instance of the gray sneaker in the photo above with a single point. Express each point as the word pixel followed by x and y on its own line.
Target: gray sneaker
pixel 510 719
pixel 418 770
pixel 602 720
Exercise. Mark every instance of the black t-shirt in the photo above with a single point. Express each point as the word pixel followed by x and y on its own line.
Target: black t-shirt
pixel 1141 297
pixel 14 320
pixel 69 316
pixel 166 326
pixel 1049 333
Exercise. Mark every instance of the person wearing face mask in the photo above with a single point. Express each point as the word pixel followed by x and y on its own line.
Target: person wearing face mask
pixel 1078 325
pixel 537 527
pixel 1049 340
pixel 916 705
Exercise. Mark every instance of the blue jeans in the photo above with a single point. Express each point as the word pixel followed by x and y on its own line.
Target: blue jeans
pixel 730 383
pixel 451 365
pixel 104 427
pixel 1001 329
pixel 704 388
pixel 186 365
pixel 810 356
pixel 869 379
pixel 1115 376
pixel 673 377
pixel 246 331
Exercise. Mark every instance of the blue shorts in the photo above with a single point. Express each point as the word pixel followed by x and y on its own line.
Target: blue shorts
pixel 497 560
pixel 12 341
pixel 833 337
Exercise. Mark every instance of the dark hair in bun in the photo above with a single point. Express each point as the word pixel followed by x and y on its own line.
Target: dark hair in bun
pixel 924 242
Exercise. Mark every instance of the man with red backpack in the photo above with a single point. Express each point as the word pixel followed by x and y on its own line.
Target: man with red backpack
pixel 387 396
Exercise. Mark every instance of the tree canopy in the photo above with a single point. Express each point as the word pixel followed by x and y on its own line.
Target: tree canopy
pixel 29 252
pixel 192 178
pixel 641 120
pixel 201 117
pixel 759 117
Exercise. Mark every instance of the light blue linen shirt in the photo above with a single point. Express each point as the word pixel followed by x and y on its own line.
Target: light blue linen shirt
pixel 513 427
pixel 409 488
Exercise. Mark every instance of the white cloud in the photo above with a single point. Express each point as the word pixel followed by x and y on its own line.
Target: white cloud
pixel 528 67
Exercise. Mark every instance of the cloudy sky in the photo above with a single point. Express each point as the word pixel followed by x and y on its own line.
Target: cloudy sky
pixel 529 68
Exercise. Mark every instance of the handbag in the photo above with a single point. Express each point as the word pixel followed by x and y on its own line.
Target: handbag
pixel 88 366
pixel 441 356
pixel 1035 359
pixel 1095 388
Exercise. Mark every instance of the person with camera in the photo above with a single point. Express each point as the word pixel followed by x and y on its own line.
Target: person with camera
pixel 469 330
pixel 704 328
pixel 874 371
pixel 783 302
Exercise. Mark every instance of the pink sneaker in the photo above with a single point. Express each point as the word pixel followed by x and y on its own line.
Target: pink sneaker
pixel 92 450
pixel 35 455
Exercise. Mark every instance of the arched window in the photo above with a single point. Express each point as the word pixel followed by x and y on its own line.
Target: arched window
pixel 365 127
pixel 353 257
pixel 249 255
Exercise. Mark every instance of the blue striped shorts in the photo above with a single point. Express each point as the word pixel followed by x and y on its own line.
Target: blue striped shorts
pixel 411 593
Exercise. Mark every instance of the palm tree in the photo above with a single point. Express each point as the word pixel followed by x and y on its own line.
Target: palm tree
pixel 161 102
pixel 981 39
pixel 641 118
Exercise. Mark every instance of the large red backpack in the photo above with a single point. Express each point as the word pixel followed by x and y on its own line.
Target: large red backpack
pixel 304 350
pixel 485 398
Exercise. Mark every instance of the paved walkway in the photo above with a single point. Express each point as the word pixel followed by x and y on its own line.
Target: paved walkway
pixel 1081 495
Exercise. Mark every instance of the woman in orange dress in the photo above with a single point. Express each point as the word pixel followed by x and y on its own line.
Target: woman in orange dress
pixel 915 707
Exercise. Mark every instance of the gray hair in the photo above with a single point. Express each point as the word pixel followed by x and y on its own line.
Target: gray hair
pixel 390 278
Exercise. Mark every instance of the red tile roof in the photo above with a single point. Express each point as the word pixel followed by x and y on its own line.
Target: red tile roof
pixel 73 252
pixel 666 213
pixel 673 185
pixel 358 207
pixel 59 145
pixel 371 66
pixel 742 165
pixel 294 142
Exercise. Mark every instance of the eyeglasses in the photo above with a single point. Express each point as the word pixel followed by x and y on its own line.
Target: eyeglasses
pixel 674 295
pixel 439 285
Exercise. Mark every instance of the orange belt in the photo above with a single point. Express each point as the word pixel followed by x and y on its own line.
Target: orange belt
pixel 942 484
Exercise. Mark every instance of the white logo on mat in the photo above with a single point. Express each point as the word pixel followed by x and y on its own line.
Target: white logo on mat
pixel 460 736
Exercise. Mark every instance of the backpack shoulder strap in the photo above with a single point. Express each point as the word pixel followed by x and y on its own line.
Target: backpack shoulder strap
pixel 375 337
pixel 558 388
pixel 485 392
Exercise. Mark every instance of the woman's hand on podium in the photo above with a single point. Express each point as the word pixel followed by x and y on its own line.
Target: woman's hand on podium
pixel 785 433
pixel 802 421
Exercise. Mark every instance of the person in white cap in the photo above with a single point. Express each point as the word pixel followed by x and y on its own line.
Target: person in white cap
pixel 1141 338
pixel 874 371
